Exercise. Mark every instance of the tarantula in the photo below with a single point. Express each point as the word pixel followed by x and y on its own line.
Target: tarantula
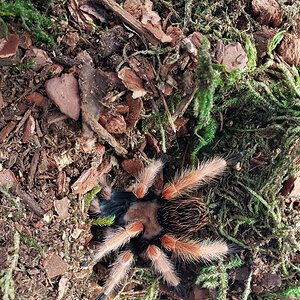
pixel 148 225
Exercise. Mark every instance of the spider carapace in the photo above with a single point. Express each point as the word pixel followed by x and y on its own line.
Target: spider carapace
pixel 151 225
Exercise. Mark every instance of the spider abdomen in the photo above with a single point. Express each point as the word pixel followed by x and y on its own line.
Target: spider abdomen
pixel 183 217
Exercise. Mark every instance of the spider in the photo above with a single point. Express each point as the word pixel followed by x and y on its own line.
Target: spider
pixel 150 226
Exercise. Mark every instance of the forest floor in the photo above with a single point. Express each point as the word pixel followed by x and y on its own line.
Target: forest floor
pixel 89 88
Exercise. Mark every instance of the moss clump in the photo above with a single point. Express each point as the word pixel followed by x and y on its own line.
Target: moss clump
pixel 32 20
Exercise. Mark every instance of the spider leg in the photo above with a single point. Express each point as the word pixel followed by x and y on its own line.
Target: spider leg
pixel 146 178
pixel 117 273
pixel 162 265
pixel 190 180
pixel 106 188
pixel 194 251
pixel 117 239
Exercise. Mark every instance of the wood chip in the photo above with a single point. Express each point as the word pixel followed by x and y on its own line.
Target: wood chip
pixel 135 109
pixel 289 49
pixel 62 183
pixel 36 98
pixel 267 12
pixel 134 7
pixel 7 130
pixel 7 177
pixel 71 39
pixel 9 46
pixel 28 129
pixel 132 82
pixel 33 168
pixel 30 203
pixel 234 57
pixel 40 57
pixel 130 20
pixel 142 67
pixel 112 40
pixel 133 166
pixel 262 39
pixel 90 178
pixel 1 101
pixel 61 207
pixel 55 266
pixel 64 91
pixel 153 142
pixel 114 124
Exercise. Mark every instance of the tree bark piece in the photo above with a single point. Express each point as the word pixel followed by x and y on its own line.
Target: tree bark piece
pixel 130 20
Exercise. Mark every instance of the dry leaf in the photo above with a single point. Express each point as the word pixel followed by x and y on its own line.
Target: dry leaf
pixel 132 82
pixel 64 92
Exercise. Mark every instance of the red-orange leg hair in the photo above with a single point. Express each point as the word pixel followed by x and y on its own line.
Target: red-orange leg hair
pixel 118 272
pixel 194 251
pixel 190 180
pixel 162 265
pixel 146 178
pixel 117 239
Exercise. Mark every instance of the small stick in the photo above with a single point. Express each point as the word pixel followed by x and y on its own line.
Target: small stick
pixel 130 20
pixel 168 112
pixel 101 131
pixel 184 104
pixel 33 167
pixel 31 204
pixel 7 280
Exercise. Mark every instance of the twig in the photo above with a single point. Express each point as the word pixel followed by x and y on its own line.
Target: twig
pixel 6 282
pixel 130 20
pixel 248 287
pixel 184 104
pixel 33 167
pixel 31 204
pixel 102 132
pixel 168 112
pixel 161 127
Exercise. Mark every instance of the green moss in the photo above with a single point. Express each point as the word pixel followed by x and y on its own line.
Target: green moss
pixel 103 221
pixel 32 20
pixel 30 241
pixel 216 276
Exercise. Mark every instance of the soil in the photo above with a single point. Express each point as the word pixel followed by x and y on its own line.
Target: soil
pixel 92 105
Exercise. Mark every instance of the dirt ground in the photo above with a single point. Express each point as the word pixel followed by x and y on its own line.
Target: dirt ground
pixel 104 88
